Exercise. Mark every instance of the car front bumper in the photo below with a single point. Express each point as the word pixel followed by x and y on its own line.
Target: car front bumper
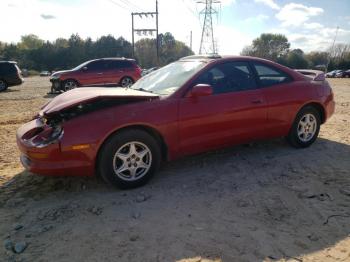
pixel 51 160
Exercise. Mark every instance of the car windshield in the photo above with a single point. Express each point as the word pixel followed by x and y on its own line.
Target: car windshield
pixel 81 66
pixel 168 79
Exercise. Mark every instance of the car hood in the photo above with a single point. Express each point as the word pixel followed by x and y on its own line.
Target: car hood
pixel 85 95
pixel 57 73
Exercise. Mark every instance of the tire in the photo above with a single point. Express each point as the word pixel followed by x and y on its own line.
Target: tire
pixel 124 168
pixel 126 81
pixel 69 84
pixel 305 128
pixel 3 85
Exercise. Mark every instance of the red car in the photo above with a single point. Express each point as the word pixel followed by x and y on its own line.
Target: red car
pixel 105 71
pixel 196 104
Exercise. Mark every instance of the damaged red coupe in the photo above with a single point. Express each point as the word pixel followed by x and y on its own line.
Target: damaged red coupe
pixel 196 104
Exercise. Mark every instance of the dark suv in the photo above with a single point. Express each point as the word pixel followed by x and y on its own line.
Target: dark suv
pixel 100 72
pixel 10 75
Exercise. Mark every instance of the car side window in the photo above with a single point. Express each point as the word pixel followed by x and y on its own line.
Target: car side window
pixel 228 77
pixel 96 65
pixel 269 75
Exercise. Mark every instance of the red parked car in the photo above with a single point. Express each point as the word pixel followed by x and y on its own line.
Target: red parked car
pixel 193 105
pixel 99 72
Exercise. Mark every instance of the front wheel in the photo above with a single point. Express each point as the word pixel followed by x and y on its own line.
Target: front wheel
pixel 129 158
pixel 69 85
pixel 305 128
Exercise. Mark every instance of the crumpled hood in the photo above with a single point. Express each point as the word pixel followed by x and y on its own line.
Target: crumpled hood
pixel 83 95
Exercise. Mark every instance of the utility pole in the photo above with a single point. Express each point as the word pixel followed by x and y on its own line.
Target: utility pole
pixel 207 45
pixel 145 31
pixel 191 40
pixel 332 49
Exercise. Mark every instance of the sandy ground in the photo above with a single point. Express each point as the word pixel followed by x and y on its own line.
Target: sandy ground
pixel 263 202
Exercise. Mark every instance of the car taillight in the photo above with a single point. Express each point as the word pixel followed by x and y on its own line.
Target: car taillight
pixel 138 69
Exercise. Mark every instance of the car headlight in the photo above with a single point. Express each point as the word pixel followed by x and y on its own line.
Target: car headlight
pixel 48 136
pixel 55 77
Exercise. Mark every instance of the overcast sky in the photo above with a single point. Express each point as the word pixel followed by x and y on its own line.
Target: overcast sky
pixel 309 24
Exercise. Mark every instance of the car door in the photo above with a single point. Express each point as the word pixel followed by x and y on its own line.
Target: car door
pixel 235 112
pixel 283 97
pixel 93 73
pixel 115 71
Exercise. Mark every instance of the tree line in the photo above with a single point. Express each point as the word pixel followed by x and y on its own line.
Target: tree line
pixel 276 47
pixel 34 53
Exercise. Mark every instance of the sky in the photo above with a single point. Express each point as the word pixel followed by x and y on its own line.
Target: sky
pixel 308 24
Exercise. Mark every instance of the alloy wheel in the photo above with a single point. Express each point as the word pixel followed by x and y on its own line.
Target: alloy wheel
pixel 126 82
pixel 70 85
pixel 132 161
pixel 307 127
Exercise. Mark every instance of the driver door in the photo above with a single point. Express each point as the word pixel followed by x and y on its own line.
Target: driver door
pixel 235 113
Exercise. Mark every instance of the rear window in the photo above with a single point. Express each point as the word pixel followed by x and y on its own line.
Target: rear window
pixel 269 75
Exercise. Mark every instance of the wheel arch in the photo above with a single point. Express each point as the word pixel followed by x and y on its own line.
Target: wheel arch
pixel 319 107
pixel 126 76
pixel 71 79
pixel 150 130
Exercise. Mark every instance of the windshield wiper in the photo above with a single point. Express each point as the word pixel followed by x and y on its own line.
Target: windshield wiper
pixel 142 89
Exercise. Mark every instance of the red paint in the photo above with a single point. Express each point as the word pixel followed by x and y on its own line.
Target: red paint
pixel 187 123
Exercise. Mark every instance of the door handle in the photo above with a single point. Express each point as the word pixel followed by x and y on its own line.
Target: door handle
pixel 100 73
pixel 257 101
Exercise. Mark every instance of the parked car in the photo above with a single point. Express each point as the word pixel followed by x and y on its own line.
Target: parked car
pixel 10 75
pixel 333 73
pixel 98 72
pixel 194 105
pixel 45 73
pixel 343 74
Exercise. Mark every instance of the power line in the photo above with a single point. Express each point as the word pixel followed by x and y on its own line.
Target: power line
pixel 127 2
pixel 118 4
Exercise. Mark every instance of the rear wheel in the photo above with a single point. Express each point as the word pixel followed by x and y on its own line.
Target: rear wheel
pixel 129 158
pixel 305 128
pixel 3 85
pixel 126 82
pixel 69 84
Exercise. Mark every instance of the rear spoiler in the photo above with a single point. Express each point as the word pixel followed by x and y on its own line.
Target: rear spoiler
pixel 315 75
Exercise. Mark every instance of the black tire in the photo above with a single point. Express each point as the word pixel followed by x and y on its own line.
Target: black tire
pixel 69 84
pixel 293 138
pixel 3 85
pixel 126 81
pixel 107 156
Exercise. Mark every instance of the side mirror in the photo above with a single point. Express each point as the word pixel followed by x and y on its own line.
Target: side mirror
pixel 84 68
pixel 201 90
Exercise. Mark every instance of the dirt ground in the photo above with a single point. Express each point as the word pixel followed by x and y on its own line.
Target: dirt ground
pixel 262 202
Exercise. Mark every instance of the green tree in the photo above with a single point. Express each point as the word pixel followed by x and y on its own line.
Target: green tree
pixel 29 42
pixel 269 46
pixel 296 59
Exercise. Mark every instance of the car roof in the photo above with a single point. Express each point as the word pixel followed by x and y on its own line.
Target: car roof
pixel 8 62
pixel 215 57
pixel 114 58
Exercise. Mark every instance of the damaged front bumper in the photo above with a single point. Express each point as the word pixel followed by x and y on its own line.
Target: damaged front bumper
pixel 49 158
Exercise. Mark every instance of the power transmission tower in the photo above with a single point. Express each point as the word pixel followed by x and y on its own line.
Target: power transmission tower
pixel 145 31
pixel 207 45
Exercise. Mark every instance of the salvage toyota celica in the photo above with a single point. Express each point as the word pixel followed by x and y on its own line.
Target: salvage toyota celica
pixel 196 104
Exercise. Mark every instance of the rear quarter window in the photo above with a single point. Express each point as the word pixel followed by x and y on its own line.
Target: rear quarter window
pixel 269 75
